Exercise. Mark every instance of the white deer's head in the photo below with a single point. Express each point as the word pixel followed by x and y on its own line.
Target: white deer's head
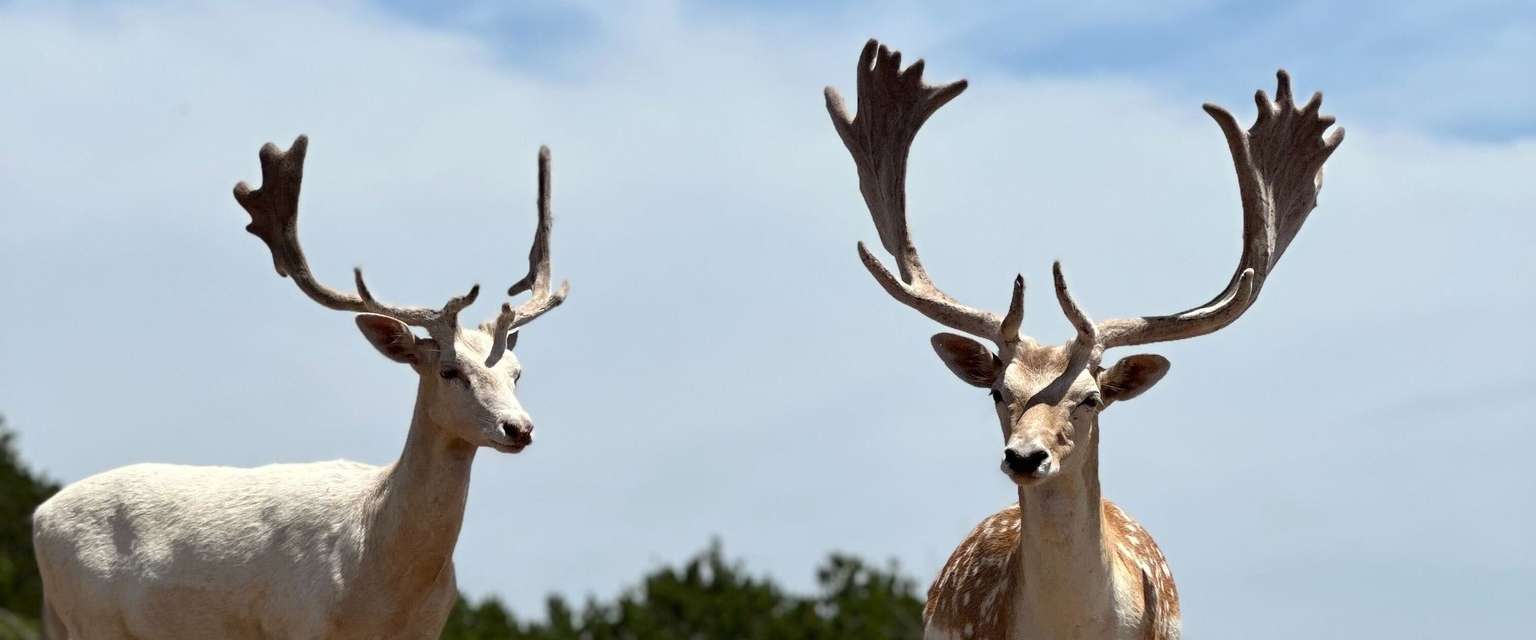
pixel 1049 397
pixel 468 375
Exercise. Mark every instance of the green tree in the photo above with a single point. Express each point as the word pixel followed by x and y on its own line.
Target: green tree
pixel 859 601
pixel 709 597
pixel 21 490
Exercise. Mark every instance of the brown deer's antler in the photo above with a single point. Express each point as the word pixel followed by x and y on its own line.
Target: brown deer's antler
pixel 892 105
pixel 1279 162
pixel 537 279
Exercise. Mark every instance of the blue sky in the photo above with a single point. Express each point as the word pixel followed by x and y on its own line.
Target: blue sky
pixel 1408 62
pixel 1348 459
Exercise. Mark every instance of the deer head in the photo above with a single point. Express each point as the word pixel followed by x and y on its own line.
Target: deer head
pixel 1049 397
pixel 468 375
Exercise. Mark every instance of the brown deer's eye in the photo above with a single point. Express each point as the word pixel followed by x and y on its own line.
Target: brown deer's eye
pixel 448 373
pixel 1093 401
pixel 997 396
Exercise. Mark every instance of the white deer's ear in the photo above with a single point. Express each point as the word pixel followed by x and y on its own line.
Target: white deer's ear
pixel 512 340
pixel 970 360
pixel 390 336
pixel 1132 376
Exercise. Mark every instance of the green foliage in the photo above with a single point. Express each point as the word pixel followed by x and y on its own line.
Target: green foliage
pixel 21 590
pixel 709 597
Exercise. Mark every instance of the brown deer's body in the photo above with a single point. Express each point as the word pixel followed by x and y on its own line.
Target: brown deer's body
pixel 978 593
pixel 1064 563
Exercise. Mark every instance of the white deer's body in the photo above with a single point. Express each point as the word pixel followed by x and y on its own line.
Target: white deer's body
pixel 278 554
pixel 321 550
pixel 302 551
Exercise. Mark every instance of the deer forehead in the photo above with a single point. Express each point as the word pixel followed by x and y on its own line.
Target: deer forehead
pixel 1032 369
pixel 471 346
pixel 472 342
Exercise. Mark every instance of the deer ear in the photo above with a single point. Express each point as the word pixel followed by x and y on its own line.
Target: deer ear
pixel 512 340
pixel 970 360
pixel 1132 376
pixel 390 336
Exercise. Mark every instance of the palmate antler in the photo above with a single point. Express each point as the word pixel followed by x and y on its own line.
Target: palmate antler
pixel 274 210
pixel 892 105
pixel 1279 165
pixel 1279 162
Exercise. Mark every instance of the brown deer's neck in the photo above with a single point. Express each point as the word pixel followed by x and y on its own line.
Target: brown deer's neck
pixel 1065 572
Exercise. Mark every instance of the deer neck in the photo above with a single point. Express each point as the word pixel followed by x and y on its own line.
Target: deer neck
pixel 412 523
pixel 1065 575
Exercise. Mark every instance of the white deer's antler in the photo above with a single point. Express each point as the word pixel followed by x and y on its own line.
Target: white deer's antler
pixel 274 210
pixel 537 279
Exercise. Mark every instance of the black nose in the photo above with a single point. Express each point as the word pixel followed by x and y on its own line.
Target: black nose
pixel 1025 464
pixel 521 434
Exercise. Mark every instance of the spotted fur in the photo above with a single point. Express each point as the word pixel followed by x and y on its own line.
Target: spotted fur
pixel 1139 554
pixel 973 596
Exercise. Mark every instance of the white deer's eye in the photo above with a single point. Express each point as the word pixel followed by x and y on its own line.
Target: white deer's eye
pixel 1092 401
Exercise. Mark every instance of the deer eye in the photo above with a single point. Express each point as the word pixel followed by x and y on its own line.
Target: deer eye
pixel 449 373
pixel 997 396
pixel 1092 401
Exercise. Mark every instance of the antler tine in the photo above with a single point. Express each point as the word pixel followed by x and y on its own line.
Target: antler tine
pixel 893 104
pixel 537 279
pixel 274 210
pixel 1009 329
pixel 1087 332
pixel 1279 164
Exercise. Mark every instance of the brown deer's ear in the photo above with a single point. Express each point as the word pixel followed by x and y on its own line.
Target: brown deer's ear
pixel 970 360
pixel 390 336
pixel 1132 376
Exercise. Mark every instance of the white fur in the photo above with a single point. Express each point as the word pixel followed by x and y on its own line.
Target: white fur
pixel 218 552
pixel 322 550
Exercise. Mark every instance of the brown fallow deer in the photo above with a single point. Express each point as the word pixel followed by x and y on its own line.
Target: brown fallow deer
pixel 1063 562
pixel 320 550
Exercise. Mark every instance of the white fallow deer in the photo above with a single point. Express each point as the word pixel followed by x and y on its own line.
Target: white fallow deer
pixel 1063 562
pixel 323 550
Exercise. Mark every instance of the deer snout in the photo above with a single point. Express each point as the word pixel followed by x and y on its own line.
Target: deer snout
pixel 520 432
pixel 1031 462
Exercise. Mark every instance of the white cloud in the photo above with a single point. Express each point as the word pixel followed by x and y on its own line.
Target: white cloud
pixel 724 365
